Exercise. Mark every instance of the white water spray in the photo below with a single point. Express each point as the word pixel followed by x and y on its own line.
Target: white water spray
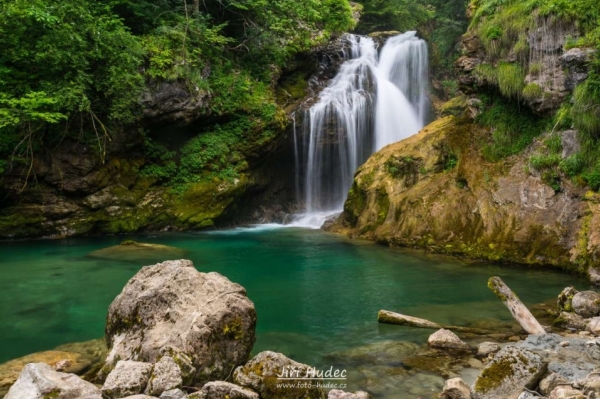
pixel 372 102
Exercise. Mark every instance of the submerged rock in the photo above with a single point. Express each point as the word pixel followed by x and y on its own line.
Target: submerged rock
pixel 127 378
pixel 586 303
pixel 204 320
pixel 131 251
pixel 260 374
pixel 375 353
pixel 223 390
pixel 446 339
pixel 511 370
pixel 40 381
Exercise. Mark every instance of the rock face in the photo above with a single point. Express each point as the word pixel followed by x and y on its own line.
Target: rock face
pixel 576 61
pixel 166 375
pixel 586 304
pixel 223 390
pixel 456 388
pixel 477 209
pixel 260 374
pixel 126 379
pixel 510 371
pixel 40 381
pixel 446 339
pixel 204 321
pixel 171 102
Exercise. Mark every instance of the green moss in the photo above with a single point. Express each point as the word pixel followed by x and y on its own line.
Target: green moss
pixel 493 375
pixel 129 242
pixel 355 204
pixel 511 79
pixel 455 107
pixel 532 92
pixel 383 206
pixel 52 394
pixel 234 329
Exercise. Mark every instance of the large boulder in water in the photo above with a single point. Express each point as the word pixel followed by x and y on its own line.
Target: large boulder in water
pixel 202 320
pixel 586 303
pixel 40 381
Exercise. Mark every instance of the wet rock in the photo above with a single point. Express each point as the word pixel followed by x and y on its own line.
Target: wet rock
pixel 547 384
pixel 593 325
pixel 166 375
pixel 126 379
pixel 260 374
pixel 202 317
pixel 446 339
pixel 40 381
pixel 339 394
pixel 586 303
pixel 138 252
pixel 566 392
pixel 508 374
pixel 565 299
pixel 573 362
pixel 173 394
pixel 223 390
pixel 456 388
pixel 570 320
pixel 172 102
pixel 67 362
pixel 485 349
pixel 376 353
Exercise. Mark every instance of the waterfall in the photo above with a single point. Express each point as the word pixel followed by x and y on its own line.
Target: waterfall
pixel 374 100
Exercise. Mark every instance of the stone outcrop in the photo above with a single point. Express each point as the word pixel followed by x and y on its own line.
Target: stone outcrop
pixel 456 388
pixel 203 321
pixel 446 339
pixel 498 211
pixel 166 375
pixel 40 381
pixel 510 371
pixel 171 102
pixel 260 375
pixel 126 379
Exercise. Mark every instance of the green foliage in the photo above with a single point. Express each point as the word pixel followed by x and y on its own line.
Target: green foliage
pixel 542 161
pixel 513 128
pixel 592 178
pixel 572 165
pixel 388 15
pixel 510 79
pixel 532 91
pixel 450 162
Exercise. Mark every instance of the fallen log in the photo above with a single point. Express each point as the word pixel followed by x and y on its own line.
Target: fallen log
pixel 387 317
pixel 519 311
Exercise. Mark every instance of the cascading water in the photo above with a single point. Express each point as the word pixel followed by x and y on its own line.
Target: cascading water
pixel 372 102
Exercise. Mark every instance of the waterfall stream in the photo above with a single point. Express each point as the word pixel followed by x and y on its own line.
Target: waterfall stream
pixel 375 100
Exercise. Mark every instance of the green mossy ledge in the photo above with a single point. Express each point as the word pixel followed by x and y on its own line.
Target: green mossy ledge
pixel 495 211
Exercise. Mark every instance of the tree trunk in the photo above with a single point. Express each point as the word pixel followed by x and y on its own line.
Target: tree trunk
pixel 387 317
pixel 516 307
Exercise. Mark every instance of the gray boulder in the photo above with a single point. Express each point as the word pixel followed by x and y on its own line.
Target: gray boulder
pixel 201 317
pixel 166 375
pixel 40 381
pixel 173 394
pixel 261 375
pixel 508 374
pixel 570 320
pixel 127 378
pixel 339 394
pixel 550 382
pixel 566 392
pixel 576 61
pixel 446 339
pixel 223 390
pixel 485 349
pixel 586 303
pixel 593 325
pixel 594 275
pixel 456 388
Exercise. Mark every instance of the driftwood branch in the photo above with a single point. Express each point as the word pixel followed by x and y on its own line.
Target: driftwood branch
pixel 387 317
pixel 519 311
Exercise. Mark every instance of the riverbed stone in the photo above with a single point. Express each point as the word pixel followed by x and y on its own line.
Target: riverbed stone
pixel 570 320
pixel 260 375
pixel 203 317
pixel 223 390
pixel 586 303
pixel 339 394
pixel 166 375
pixel 126 379
pixel 548 383
pixel 593 325
pixel 173 394
pixel 485 349
pixel 594 275
pixel 40 381
pixel 565 299
pixel 446 339
pixel 455 388
pixel 508 374
pixel 566 392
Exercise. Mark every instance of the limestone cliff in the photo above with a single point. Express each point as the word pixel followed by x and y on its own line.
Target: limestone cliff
pixel 435 190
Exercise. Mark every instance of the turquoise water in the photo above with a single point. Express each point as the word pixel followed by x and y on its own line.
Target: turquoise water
pixel 315 293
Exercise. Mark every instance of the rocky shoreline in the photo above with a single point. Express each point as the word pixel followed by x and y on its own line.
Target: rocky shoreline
pixel 174 332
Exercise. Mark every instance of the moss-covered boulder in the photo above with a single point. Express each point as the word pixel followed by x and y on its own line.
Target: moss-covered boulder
pixel 508 374
pixel 203 321
pixel 263 372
